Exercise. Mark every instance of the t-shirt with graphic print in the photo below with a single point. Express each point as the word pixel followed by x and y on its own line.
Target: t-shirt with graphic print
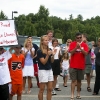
pixel 4 70
pixel 16 63
pixel 77 59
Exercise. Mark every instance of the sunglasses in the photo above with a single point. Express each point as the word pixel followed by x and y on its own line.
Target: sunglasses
pixel 78 37
pixel 68 42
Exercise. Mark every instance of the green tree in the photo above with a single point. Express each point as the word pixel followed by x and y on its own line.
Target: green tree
pixel 39 23
pixel 80 17
pixel 43 22
pixel 71 17
pixel 2 15
pixel 43 13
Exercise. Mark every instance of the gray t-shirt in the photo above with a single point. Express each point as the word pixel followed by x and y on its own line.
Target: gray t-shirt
pixel 88 56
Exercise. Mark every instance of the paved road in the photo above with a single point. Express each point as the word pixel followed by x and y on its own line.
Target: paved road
pixel 64 94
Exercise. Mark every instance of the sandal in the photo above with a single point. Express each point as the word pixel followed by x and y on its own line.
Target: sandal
pixel 89 89
pixel 28 92
pixel 57 89
pixel 23 91
pixel 71 98
pixel 78 97
pixel 65 86
pixel 53 92
pixel 95 94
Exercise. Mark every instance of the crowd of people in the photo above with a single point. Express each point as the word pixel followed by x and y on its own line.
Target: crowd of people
pixel 46 63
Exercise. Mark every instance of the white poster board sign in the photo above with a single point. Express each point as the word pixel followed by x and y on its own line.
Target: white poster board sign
pixel 7 33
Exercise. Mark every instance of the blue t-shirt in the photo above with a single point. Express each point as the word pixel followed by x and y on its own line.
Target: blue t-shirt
pixel 47 66
pixel 28 58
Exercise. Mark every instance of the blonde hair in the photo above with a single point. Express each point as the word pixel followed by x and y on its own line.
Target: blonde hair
pixel 69 40
pixel 99 39
pixel 63 56
pixel 41 43
pixel 26 41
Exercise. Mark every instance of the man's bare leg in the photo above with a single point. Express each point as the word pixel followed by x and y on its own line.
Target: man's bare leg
pixel 73 88
pixel 78 87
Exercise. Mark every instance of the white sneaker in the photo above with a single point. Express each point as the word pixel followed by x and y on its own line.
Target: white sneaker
pixel 54 92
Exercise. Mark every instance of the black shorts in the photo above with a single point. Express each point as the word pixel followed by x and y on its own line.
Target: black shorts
pixel 56 67
pixel 4 92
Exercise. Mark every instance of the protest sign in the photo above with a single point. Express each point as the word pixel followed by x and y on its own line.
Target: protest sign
pixel 8 33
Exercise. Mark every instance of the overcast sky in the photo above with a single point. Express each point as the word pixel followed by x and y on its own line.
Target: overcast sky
pixel 59 8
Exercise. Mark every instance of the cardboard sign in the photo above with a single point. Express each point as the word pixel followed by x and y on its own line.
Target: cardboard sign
pixel 8 33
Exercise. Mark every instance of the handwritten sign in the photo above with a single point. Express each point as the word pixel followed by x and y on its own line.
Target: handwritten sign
pixel 7 33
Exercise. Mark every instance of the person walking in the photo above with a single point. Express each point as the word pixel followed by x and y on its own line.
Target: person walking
pixel 78 50
pixel 65 67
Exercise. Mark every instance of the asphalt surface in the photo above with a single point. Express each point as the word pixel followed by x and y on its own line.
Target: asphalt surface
pixel 64 94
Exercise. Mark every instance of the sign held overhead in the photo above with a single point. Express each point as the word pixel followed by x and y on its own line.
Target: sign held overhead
pixel 8 33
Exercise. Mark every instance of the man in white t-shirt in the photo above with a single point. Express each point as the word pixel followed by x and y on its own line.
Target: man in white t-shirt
pixel 50 36
pixel 4 73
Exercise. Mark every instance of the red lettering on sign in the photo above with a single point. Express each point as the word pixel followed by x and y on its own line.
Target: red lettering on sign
pixel 1 35
pixel 8 42
pixel 9 34
pixel 2 59
pixel 4 25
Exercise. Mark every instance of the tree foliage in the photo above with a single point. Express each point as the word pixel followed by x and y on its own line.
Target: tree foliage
pixel 2 15
pixel 38 24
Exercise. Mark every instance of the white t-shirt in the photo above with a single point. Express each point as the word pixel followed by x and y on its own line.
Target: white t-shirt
pixel 65 64
pixel 57 53
pixel 4 70
pixel 49 44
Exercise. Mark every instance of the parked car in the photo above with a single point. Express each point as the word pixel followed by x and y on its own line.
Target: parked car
pixel 63 46
pixel 36 40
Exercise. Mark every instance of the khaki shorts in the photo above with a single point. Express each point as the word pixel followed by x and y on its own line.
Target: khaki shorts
pixel 76 74
pixel 88 69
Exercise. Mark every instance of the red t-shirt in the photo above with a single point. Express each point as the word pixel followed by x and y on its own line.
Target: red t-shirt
pixel 16 64
pixel 78 58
